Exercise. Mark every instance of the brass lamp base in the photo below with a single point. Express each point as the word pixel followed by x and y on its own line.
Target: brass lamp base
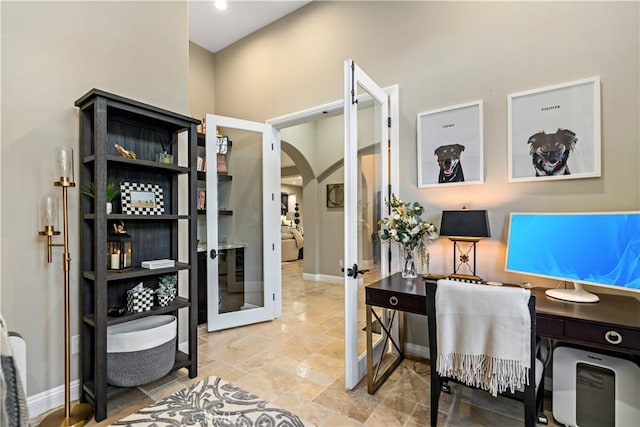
pixel 80 414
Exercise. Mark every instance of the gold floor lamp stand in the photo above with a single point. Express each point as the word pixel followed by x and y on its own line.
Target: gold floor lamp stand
pixel 80 413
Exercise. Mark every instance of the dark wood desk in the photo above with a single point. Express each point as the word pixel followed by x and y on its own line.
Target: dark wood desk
pixel 402 296
pixel 613 324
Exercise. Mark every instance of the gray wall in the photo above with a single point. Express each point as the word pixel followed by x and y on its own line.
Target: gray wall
pixel 201 81
pixel 447 53
pixel 52 53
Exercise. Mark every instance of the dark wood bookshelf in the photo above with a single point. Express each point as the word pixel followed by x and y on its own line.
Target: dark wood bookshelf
pixel 105 120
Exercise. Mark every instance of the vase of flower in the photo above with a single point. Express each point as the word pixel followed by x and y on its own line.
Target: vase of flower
pixel 409 263
pixel 405 226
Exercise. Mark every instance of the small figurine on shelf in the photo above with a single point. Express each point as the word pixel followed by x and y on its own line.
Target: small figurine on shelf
pixel 125 153
pixel 166 291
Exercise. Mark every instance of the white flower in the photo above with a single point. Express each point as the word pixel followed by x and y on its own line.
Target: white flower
pixel 405 226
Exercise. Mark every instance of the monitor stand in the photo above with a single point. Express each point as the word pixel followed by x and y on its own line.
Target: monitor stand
pixel 577 294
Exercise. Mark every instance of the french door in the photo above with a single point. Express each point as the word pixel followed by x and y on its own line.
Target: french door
pixel 366 183
pixel 242 181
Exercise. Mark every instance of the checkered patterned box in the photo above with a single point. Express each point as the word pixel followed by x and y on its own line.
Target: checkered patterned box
pixel 139 301
pixel 165 299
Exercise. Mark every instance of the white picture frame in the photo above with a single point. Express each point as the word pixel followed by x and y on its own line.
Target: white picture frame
pixel 554 132
pixel 451 133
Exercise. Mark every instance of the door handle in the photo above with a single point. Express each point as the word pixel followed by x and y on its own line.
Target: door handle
pixel 213 254
pixel 353 272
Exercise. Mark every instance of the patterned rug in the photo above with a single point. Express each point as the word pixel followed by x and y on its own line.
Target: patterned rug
pixel 213 402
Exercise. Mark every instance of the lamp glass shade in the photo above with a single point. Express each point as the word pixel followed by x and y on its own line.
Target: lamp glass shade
pixel 465 223
pixel 48 213
pixel 64 163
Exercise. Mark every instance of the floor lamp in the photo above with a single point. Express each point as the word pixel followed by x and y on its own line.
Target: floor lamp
pixel 77 414
pixel 464 228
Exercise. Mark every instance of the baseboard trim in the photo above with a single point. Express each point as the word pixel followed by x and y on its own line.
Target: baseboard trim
pixel 416 350
pixel 50 399
pixel 322 278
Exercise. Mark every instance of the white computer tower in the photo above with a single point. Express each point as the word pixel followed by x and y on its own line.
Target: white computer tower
pixel 594 390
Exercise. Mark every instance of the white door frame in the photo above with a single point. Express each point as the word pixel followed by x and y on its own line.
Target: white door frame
pixel 335 108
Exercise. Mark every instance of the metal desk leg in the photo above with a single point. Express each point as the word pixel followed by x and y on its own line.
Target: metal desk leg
pixel 375 378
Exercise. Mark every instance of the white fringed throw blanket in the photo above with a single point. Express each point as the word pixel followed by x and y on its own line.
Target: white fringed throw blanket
pixel 483 335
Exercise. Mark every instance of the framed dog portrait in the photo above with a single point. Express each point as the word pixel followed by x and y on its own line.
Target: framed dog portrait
pixel 554 132
pixel 450 146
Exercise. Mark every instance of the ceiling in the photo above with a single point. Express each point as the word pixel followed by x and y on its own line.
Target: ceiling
pixel 215 29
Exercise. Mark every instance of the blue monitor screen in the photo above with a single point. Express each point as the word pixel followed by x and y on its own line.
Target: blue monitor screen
pixel 589 248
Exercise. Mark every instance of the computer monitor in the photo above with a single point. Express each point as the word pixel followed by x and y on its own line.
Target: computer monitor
pixel 593 248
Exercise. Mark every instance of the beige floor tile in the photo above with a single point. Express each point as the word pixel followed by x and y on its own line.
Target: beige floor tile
pixel 465 414
pixel 297 362
pixel 304 408
pixel 320 369
pixel 268 383
pixel 393 411
pixel 339 420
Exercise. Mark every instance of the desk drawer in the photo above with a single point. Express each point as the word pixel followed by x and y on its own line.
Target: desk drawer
pixel 397 301
pixel 602 334
pixel 549 327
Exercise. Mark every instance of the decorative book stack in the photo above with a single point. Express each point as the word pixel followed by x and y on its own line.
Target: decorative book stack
pixel 158 263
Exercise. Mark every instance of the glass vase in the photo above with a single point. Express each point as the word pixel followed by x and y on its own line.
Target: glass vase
pixel 408 264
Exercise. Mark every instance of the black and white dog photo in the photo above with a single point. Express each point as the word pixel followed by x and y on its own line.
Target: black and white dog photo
pixel 449 163
pixel 550 152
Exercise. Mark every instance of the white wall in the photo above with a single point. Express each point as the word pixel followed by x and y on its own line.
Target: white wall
pixel 52 53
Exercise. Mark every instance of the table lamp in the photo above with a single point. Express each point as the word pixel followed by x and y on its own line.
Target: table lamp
pixel 464 227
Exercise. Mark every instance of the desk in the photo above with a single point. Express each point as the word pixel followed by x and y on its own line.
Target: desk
pixel 613 324
pixel 403 296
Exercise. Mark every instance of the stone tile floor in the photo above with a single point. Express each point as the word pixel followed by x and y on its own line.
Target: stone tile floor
pixel 296 362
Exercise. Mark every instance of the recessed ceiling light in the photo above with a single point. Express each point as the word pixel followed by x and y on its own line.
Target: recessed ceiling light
pixel 221 4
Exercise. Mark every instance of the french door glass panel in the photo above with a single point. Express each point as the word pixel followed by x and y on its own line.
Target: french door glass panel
pixel 366 177
pixel 240 279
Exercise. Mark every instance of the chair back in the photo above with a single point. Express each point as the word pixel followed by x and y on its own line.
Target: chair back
pixel 532 398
